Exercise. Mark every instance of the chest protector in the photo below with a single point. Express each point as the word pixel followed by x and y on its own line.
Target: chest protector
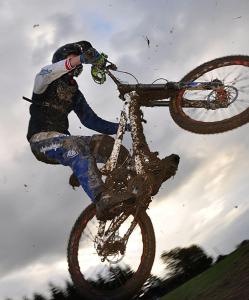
pixel 49 110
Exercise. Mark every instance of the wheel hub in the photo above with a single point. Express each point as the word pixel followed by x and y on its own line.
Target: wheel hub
pixel 112 250
pixel 222 97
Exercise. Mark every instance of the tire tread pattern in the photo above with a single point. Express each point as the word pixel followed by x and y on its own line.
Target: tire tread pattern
pixel 131 286
pixel 195 126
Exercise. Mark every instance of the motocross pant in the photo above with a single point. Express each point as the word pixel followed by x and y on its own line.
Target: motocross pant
pixel 75 152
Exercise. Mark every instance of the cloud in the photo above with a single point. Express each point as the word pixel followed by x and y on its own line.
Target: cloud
pixel 38 273
pixel 36 214
pixel 198 205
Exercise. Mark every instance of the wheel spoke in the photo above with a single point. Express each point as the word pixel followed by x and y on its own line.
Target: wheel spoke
pixel 112 266
pixel 231 100
pixel 118 266
pixel 223 73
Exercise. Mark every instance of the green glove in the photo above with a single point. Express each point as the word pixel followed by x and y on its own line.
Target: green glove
pixel 98 74
pixel 97 70
pixel 101 60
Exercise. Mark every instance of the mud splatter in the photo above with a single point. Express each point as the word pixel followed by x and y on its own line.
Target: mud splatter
pixel 150 171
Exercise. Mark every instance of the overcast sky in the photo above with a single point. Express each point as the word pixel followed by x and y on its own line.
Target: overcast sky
pixel 206 202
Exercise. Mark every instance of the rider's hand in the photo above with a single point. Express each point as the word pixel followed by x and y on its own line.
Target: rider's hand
pixel 92 56
pixel 101 60
pixel 97 70
pixel 98 74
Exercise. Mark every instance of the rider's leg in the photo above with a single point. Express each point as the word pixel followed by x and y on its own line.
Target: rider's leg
pixel 101 148
pixel 72 151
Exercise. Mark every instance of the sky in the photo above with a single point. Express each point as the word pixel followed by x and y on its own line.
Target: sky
pixel 206 203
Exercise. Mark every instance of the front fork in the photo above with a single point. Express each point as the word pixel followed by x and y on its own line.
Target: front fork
pixel 142 158
pixel 141 152
pixel 112 160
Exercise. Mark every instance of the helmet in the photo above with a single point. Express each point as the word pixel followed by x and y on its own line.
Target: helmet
pixel 64 51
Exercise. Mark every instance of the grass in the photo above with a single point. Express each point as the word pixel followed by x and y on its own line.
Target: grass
pixel 213 280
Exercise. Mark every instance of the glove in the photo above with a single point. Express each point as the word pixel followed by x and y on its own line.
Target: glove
pixel 98 74
pixel 89 56
pixel 92 56
pixel 97 70
pixel 101 60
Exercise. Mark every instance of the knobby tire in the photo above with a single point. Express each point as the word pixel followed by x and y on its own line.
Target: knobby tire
pixel 132 285
pixel 196 126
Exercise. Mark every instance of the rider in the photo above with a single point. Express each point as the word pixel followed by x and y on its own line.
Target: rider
pixel 55 95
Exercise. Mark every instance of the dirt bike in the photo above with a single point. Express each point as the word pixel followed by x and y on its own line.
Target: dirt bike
pixel 112 259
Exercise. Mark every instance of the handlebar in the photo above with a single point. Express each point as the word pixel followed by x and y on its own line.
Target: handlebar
pixel 146 91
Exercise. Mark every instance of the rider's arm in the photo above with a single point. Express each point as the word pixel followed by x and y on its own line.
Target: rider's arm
pixel 50 73
pixel 54 71
pixel 90 119
pixel 89 54
pixel 89 57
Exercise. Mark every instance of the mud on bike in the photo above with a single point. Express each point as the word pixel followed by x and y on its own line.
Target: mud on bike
pixel 119 252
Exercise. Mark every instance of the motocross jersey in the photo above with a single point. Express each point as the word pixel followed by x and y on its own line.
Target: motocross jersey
pixel 55 95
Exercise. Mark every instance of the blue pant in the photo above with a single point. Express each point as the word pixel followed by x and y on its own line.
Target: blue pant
pixel 75 152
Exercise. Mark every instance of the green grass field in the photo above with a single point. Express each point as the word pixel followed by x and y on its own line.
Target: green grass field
pixel 227 280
